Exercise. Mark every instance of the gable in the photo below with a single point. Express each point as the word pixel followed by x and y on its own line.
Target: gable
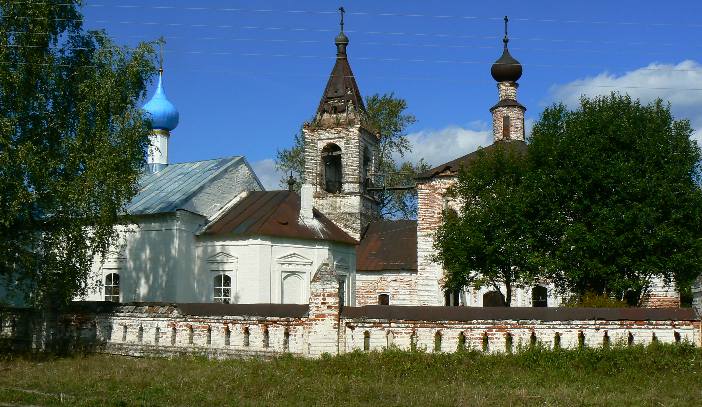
pixel 294 259
pixel 201 187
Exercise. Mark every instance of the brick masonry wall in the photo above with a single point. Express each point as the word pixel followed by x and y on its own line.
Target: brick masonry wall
pixel 661 295
pixel 492 335
pixel 430 195
pixel 351 209
pixel 160 330
pixel 400 285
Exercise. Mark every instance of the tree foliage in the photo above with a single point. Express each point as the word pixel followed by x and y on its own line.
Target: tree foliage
pixel 487 242
pixel 616 183
pixel 72 143
pixel 606 200
pixel 387 115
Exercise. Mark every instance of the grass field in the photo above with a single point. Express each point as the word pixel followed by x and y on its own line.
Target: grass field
pixel 658 375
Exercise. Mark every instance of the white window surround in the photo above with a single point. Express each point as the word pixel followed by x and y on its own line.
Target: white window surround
pixel 295 271
pixel 226 265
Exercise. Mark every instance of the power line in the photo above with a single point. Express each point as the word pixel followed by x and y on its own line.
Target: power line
pixel 411 15
pixel 385 59
pixel 362 43
pixel 259 74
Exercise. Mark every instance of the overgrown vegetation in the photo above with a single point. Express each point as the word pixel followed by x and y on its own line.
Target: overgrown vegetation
pixel 605 201
pixel 656 375
pixel 72 144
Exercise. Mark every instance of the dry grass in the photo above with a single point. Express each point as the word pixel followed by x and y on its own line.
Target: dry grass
pixel 657 375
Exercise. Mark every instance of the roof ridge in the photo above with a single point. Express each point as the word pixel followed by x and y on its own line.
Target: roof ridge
pixel 208 179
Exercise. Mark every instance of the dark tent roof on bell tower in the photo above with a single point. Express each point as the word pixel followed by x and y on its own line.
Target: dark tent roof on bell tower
pixel 341 91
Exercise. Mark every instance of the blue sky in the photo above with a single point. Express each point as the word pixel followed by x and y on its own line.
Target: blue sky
pixel 246 74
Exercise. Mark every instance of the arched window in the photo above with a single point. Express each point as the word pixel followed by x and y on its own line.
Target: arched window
pixel 557 341
pixel 223 289
pixel 366 341
pixel 493 299
pixel 112 287
pixel 331 158
pixel 384 299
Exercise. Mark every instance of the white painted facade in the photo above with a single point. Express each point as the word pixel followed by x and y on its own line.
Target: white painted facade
pixel 165 260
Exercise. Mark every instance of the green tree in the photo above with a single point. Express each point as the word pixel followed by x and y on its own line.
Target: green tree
pixel 488 241
pixel 387 115
pixel 72 143
pixel 616 187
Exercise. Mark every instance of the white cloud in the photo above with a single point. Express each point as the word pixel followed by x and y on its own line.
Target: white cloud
pixel 267 174
pixel 679 84
pixel 443 145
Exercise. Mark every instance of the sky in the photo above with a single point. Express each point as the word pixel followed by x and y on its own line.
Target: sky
pixel 245 75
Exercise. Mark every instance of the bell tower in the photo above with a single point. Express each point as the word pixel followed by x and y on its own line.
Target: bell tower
pixel 507 114
pixel 341 149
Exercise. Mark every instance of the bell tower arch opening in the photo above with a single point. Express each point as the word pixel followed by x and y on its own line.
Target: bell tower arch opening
pixel 332 174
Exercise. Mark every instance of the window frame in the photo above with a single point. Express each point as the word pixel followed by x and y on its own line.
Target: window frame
pixel 112 296
pixel 222 299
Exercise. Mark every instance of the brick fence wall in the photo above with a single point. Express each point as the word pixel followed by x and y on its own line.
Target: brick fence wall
pixel 323 326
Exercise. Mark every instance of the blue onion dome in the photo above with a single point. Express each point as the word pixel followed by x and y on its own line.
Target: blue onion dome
pixel 164 115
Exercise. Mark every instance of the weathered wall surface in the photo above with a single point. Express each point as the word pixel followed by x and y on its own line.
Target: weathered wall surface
pixel 401 286
pixel 448 329
pixel 265 330
pixel 351 209
pixel 430 196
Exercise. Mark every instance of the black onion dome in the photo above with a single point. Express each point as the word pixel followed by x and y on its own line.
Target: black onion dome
pixel 506 69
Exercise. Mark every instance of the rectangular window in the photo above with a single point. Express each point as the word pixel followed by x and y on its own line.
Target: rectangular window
pixel 505 127
pixel 223 289
pixel 112 287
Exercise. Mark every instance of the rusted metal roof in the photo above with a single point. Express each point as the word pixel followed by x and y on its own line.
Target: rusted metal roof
pixel 388 245
pixel 275 213
pixel 195 309
pixel 451 168
pixel 464 314
pixel 257 310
